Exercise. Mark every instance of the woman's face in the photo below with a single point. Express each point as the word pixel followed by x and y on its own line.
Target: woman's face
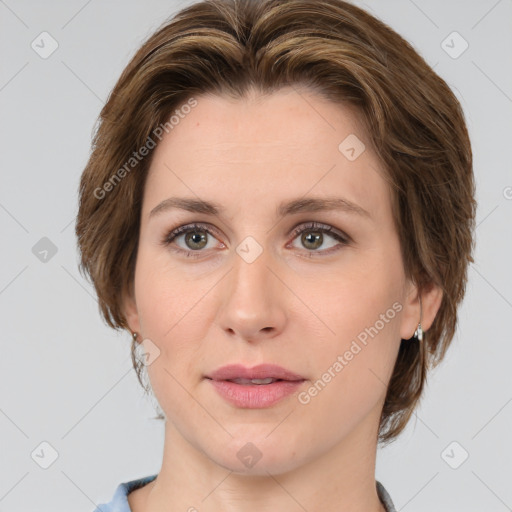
pixel 257 284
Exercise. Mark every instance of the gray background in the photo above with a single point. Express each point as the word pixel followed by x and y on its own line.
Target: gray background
pixel 66 379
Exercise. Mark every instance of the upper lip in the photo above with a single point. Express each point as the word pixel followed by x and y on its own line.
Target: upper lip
pixel 262 371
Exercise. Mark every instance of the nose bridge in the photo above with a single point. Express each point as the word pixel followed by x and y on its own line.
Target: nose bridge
pixel 251 277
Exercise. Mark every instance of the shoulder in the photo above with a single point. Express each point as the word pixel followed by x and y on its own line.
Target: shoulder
pixel 119 502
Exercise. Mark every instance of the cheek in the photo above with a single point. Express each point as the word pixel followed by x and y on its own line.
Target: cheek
pixel 172 313
pixel 166 298
pixel 364 336
pixel 355 356
pixel 354 297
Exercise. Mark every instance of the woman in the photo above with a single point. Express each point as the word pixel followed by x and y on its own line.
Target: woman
pixel 279 206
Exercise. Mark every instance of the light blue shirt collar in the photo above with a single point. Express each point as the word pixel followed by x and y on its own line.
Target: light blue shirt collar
pixel 119 502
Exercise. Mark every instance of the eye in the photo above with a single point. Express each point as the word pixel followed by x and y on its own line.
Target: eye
pixel 195 236
pixel 312 237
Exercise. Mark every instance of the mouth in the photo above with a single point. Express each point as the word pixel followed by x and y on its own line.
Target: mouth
pixel 255 388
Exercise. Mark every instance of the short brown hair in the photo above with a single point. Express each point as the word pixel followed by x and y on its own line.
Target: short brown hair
pixel 413 121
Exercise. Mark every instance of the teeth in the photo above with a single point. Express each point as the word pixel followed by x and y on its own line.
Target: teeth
pixel 268 380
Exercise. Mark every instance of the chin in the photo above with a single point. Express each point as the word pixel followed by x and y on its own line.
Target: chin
pixel 257 456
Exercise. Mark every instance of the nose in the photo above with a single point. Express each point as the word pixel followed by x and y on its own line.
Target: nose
pixel 253 302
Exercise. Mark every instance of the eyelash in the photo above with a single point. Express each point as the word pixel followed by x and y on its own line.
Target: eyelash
pixel 309 226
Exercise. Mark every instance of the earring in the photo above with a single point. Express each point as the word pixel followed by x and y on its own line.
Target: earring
pixel 418 333
pixel 134 335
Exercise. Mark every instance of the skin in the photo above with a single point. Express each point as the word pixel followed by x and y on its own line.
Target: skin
pixel 285 307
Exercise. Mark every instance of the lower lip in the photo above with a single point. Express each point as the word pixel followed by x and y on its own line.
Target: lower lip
pixel 255 396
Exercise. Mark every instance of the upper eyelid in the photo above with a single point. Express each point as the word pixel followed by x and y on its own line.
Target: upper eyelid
pixel 304 226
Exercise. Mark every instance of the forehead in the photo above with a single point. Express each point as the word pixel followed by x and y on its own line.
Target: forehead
pixel 287 115
pixel 265 148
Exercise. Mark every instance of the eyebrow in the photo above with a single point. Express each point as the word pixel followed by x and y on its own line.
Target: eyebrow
pixel 300 205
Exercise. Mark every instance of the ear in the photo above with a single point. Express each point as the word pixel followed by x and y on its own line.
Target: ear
pixel 130 310
pixel 431 298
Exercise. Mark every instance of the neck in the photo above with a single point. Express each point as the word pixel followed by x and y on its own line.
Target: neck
pixel 342 477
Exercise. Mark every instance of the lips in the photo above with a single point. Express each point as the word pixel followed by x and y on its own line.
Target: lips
pixel 255 388
pixel 262 373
